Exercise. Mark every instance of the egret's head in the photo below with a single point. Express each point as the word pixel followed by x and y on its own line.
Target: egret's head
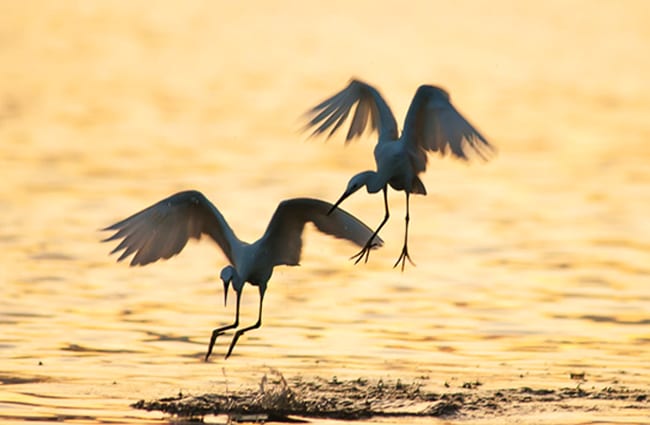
pixel 227 274
pixel 357 182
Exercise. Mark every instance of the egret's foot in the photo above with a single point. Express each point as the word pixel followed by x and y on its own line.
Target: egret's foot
pixel 213 340
pixel 403 257
pixel 241 332
pixel 233 343
pixel 365 252
pixel 216 333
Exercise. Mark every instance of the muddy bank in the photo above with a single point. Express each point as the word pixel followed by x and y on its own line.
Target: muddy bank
pixel 277 399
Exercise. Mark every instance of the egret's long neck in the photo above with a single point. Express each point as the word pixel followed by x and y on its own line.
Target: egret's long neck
pixel 374 182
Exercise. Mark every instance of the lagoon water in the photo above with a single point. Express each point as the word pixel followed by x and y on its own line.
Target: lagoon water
pixel 530 267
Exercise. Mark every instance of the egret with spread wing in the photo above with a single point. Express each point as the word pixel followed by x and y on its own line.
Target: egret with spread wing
pixel 163 229
pixel 432 124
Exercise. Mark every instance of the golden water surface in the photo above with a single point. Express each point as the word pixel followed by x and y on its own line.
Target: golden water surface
pixel 530 267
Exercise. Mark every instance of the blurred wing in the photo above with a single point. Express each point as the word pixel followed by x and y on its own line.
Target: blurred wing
pixel 332 113
pixel 433 124
pixel 163 229
pixel 283 237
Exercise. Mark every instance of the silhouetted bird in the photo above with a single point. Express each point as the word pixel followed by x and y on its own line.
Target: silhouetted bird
pixel 432 124
pixel 163 229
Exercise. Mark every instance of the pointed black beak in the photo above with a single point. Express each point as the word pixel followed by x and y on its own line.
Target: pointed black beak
pixel 341 199
pixel 226 284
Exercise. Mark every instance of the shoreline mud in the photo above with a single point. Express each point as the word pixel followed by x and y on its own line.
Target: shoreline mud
pixel 279 399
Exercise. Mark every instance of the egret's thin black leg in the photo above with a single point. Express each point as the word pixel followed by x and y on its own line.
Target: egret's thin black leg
pixel 365 252
pixel 405 252
pixel 240 332
pixel 221 330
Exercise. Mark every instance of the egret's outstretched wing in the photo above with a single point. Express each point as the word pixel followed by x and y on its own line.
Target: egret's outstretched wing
pixel 332 113
pixel 283 236
pixel 433 124
pixel 163 229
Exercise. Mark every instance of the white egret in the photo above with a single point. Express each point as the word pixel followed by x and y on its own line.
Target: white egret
pixel 163 229
pixel 432 124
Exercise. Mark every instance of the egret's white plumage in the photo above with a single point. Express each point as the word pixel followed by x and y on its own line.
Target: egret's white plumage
pixel 432 124
pixel 163 229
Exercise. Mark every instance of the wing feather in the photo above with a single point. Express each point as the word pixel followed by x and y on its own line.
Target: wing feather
pixel 433 124
pixel 331 113
pixel 163 229
pixel 283 237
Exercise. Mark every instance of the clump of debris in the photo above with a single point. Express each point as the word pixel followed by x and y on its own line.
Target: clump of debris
pixel 276 399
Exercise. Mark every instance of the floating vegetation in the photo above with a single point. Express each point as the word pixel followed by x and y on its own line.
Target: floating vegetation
pixel 276 399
